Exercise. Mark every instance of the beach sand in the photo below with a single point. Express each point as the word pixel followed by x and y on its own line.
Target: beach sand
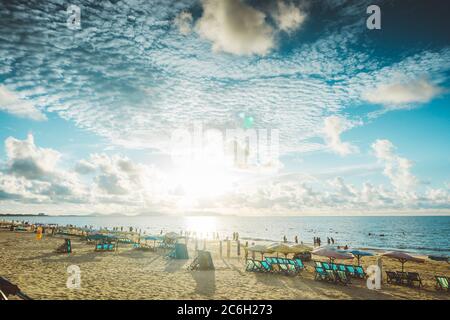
pixel 133 274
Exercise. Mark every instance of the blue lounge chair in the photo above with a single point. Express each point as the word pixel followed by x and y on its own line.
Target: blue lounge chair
pixel 299 263
pixel 326 266
pixel 334 267
pixel 321 274
pixel 267 267
pixel 318 264
pixel 359 272
pixel 351 270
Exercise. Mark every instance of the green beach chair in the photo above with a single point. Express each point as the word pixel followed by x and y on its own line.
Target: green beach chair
pixel 350 270
pixel 267 267
pixel 66 247
pixel 318 264
pixel 359 272
pixel 342 277
pixel 326 266
pixel 442 283
pixel 320 274
pixel 334 267
pixel 341 267
pixel 331 276
pixel 250 265
pixel 299 264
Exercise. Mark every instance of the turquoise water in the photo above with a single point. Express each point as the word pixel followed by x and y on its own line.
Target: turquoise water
pixel 426 235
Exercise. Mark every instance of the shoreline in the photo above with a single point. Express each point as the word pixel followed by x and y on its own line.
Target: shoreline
pixel 426 252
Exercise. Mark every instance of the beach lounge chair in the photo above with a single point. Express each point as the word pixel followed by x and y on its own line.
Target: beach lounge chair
pixel 331 276
pixel 359 272
pixel 326 266
pixel 250 265
pixel 299 264
pixel 105 246
pixel 342 277
pixel 442 283
pixel 320 274
pixel 403 276
pixel 350 270
pixel 341 267
pixel 334 267
pixel 412 278
pixel 267 267
pixel 393 278
pixel 203 261
pixel 318 264
pixel 66 247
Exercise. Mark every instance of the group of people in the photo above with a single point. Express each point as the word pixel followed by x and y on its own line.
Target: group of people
pixel 317 241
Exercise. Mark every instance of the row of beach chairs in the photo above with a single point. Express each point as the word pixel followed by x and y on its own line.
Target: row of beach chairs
pixel 404 278
pixel 333 276
pixel 284 266
pixel 349 270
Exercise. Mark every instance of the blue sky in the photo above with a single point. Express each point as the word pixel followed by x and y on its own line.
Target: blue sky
pixel 87 116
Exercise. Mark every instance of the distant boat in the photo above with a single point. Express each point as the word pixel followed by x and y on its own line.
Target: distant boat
pixel 438 258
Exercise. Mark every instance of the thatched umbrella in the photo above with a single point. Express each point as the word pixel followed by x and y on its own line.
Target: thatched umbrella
pixel 331 253
pixel 403 257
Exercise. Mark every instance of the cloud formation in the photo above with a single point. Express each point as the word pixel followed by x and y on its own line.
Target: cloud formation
pixel 403 94
pixel 333 127
pixel 13 104
pixel 288 16
pixel 396 168
pixel 184 22
pixel 235 27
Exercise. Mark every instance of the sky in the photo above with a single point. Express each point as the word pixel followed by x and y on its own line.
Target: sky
pixel 133 110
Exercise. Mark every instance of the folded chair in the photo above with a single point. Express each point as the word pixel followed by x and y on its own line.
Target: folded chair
pixel 66 247
pixel 442 283
pixel 414 277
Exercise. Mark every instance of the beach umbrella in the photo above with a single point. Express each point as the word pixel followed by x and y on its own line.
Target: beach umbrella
pixel 171 235
pixel 331 253
pixel 403 257
pixel 360 253
pixel 260 248
pixel 281 248
pixel 298 248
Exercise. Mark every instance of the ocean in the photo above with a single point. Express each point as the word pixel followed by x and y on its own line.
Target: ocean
pixel 416 234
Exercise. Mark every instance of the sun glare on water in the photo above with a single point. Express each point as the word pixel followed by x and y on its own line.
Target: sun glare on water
pixel 202 226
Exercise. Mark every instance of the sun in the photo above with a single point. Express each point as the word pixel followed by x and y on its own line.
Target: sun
pixel 200 180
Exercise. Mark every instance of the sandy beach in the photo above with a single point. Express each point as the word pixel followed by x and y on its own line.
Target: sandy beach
pixel 133 274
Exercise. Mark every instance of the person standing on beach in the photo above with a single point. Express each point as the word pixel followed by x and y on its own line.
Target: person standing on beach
pixel 328 241
pixel 296 239
pixel 284 239
pixel 332 240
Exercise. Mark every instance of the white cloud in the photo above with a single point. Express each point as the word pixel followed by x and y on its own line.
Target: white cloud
pixel 184 22
pixel 235 27
pixel 28 160
pixel 403 93
pixel 333 127
pixel 288 16
pixel 11 103
pixel 396 168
